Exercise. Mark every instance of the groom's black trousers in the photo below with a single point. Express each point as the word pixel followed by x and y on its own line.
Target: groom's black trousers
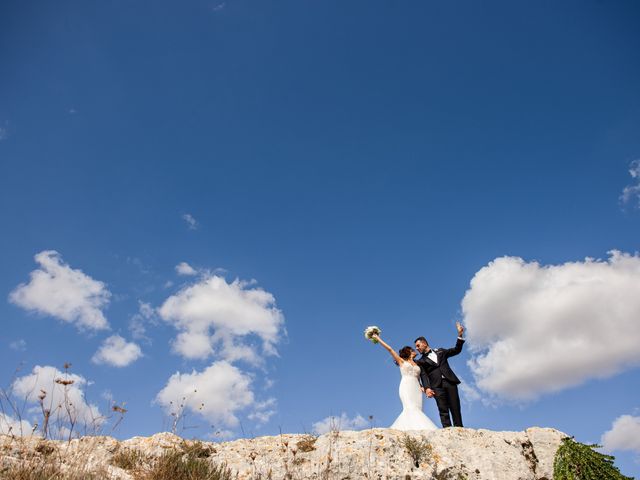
pixel 447 398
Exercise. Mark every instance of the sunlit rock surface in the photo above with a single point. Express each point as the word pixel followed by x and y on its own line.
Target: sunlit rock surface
pixel 453 453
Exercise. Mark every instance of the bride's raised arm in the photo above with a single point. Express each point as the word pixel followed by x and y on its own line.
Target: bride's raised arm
pixel 393 353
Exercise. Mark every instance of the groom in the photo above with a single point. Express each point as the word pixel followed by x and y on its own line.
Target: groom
pixel 438 380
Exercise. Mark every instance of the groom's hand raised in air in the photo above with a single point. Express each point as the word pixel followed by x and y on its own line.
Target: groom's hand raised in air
pixel 460 329
pixel 430 393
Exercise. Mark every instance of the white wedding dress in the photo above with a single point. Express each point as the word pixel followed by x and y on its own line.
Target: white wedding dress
pixel 412 417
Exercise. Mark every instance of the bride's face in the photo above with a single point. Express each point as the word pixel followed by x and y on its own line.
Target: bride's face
pixel 413 354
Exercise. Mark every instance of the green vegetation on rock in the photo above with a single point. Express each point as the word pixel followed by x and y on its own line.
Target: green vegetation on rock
pixel 577 461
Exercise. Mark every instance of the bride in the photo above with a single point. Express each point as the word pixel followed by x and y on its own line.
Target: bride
pixel 412 417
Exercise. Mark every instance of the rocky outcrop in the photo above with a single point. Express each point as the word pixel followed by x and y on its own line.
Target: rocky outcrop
pixel 453 453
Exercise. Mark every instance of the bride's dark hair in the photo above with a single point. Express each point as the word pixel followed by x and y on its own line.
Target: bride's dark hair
pixel 405 353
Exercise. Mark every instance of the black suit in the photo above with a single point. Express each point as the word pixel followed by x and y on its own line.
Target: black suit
pixel 440 378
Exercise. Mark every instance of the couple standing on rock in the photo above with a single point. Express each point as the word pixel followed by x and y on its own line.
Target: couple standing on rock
pixel 430 374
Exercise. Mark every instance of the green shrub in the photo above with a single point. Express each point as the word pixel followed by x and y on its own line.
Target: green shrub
pixel 577 461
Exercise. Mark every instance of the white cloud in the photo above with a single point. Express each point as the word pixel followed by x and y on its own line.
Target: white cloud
pixel 12 426
pixel 217 393
pixel 632 191
pixel 18 345
pixel 146 310
pixel 116 351
pixel 534 329
pixel 263 411
pixel 341 423
pixel 58 290
pixel 64 401
pixel 624 435
pixel 216 317
pixel 138 323
pixel 183 268
pixel 193 345
pixel 108 396
pixel 261 417
pixel 469 393
pixel 192 223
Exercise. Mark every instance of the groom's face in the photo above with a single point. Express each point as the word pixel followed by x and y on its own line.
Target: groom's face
pixel 422 346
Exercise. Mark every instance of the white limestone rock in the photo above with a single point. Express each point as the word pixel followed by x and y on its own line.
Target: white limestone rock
pixel 451 454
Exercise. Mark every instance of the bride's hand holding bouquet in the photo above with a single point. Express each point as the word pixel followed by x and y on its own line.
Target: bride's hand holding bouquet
pixel 372 333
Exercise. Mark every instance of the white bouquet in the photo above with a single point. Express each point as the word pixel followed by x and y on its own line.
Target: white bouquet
pixel 369 332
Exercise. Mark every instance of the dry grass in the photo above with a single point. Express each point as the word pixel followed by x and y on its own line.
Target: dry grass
pixel 25 471
pixel 419 450
pixel 307 443
pixel 197 449
pixel 186 463
pixel 47 470
pixel 175 465
pixel 129 459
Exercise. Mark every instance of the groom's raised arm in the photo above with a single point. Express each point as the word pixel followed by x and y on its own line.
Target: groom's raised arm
pixel 451 352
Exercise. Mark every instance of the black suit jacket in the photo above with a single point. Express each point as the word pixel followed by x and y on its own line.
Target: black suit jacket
pixel 431 374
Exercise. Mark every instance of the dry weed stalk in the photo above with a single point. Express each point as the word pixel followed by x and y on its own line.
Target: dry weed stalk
pixel 60 417
pixel 179 413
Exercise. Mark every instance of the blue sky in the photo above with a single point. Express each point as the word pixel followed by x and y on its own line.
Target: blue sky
pixel 350 163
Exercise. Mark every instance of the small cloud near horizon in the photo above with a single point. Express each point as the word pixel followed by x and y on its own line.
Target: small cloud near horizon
pixel 623 435
pixel 341 423
pixel 217 393
pixel 263 411
pixel 28 388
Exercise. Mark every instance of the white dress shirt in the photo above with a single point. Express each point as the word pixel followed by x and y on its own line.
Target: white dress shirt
pixel 432 356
